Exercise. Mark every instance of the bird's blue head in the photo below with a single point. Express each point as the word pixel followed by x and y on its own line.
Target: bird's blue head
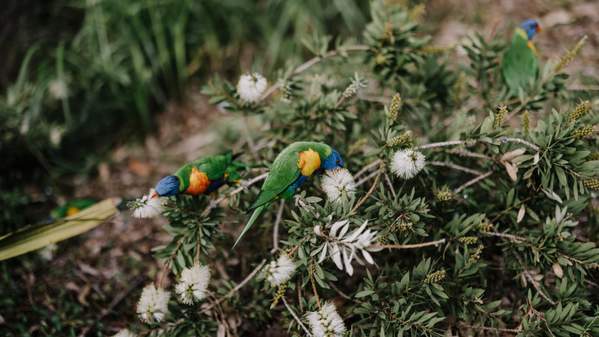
pixel 531 27
pixel 167 186
pixel 333 161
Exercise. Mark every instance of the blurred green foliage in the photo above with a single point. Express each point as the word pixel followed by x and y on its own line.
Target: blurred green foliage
pixel 100 84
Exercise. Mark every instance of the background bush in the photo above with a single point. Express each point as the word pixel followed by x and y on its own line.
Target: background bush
pixel 118 64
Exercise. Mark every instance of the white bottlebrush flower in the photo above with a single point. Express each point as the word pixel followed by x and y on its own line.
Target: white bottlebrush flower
pixel 152 306
pixel 342 246
pixel 58 89
pixel 55 135
pixel 407 163
pixel 326 322
pixel 147 206
pixel 338 183
pixel 47 253
pixel 193 284
pixel 124 333
pixel 251 87
pixel 280 271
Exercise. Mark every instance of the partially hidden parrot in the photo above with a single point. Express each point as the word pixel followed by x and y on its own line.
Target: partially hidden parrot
pixel 71 207
pixel 520 64
pixel 201 176
pixel 292 167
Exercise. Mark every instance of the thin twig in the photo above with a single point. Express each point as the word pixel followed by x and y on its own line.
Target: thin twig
pixel 248 138
pixel 299 321
pixel 368 177
pixel 370 191
pixel 341 293
pixel 466 153
pixel 455 167
pixel 510 237
pixel 442 144
pixel 243 186
pixel 390 185
pixel 488 328
pixel 536 285
pixel 367 167
pixel 311 62
pixel 473 181
pixel 410 246
pixel 275 230
pixel 238 286
pixel 520 141
pixel 313 282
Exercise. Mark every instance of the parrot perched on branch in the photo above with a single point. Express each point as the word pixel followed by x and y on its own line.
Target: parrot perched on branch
pixel 201 176
pixel 292 167
pixel 520 65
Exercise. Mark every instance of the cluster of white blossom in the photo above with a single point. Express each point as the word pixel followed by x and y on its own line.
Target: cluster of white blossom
pixel 152 306
pixel 192 284
pixel 337 184
pixel 279 271
pixel 407 163
pixel 251 86
pixel 148 206
pixel 326 322
pixel 342 246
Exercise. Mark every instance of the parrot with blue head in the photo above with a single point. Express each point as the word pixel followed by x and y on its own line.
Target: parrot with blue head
pixel 520 64
pixel 290 170
pixel 201 176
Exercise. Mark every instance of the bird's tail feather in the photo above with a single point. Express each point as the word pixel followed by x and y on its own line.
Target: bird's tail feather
pixel 250 222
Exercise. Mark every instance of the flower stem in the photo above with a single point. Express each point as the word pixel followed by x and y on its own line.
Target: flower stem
pixel 410 246
pixel 238 286
pixel 455 167
pixel 473 181
pixel 441 144
pixel 294 315
pixel 313 61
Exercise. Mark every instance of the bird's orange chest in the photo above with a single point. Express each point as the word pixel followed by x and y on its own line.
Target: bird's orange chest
pixel 308 162
pixel 198 182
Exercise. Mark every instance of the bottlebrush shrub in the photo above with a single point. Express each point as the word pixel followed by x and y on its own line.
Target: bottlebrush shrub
pixel 469 212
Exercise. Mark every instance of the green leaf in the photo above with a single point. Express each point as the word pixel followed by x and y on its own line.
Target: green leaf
pixel 33 238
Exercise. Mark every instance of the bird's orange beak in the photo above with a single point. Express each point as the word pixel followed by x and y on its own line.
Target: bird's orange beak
pixel 153 195
pixel 538 29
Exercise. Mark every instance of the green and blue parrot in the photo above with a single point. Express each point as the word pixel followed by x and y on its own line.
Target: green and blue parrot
pixel 201 176
pixel 292 167
pixel 520 65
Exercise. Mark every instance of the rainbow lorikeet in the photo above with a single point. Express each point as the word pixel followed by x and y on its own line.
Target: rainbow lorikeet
pixel 292 167
pixel 201 176
pixel 520 65
pixel 71 207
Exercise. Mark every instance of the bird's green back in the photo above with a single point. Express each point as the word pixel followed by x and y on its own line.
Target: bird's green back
pixel 214 167
pixel 284 170
pixel 520 64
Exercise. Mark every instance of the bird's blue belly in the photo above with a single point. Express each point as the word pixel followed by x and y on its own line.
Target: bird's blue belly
pixel 215 185
pixel 290 191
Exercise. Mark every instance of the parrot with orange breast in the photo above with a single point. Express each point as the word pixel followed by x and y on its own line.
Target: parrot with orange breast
pixel 201 176
pixel 290 169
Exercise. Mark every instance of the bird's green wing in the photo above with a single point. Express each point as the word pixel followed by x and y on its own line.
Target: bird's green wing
pixel 520 64
pixel 284 170
pixel 213 166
